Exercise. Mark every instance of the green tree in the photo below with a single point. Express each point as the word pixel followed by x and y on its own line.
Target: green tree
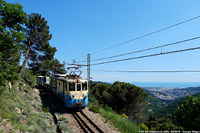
pixel 57 67
pixel 188 114
pixel 12 35
pixel 37 44
pixel 53 65
pixel 131 99
pixel 161 124
pixel 123 98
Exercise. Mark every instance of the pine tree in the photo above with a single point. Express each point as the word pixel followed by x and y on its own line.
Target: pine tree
pixel 57 67
pixel 37 43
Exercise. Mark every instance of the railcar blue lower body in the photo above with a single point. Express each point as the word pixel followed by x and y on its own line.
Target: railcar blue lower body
pixel 70 102
pixel 75 103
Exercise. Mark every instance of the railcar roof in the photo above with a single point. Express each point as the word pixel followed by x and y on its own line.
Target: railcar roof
pixel 67 79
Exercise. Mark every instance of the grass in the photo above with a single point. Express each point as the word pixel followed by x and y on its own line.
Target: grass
pixel 120 122
pixel 62 120
pixel 24 110
pixel 63 127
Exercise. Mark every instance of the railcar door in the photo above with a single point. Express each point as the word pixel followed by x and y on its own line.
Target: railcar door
pixel 72 89
pixel 79 91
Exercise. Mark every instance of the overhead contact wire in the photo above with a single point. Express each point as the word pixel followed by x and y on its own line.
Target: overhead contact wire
pixel 176 71
pixel 171 26
pixel 145 56
pixel 161 46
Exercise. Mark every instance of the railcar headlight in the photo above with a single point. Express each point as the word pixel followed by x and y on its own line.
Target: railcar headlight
pixel 72 97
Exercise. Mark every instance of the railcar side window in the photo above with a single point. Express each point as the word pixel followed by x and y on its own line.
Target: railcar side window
pixel 84 86
pixel 66 89
pixel 71 87
pixel 78 87
pixel 52 82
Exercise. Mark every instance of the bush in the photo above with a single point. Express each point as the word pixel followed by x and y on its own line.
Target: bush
pixel 24 112
pixel 94 108
pixel 29 77
pixel 161 124
pixel 144 127
pixel 63 126
pixel 123 124
pixel 2 89
pixel 107 108
pixel 187 115
pixel 45 109
pixel 121 97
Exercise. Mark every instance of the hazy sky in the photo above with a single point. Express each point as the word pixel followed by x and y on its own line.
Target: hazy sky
pixel 80 27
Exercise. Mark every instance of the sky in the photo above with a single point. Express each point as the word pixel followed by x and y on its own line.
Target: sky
pixel 81 27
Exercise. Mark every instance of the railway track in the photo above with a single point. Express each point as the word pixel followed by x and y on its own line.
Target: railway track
pixel 86 124
pixel 49 101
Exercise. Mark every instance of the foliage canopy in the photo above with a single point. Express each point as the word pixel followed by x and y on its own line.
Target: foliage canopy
pixel 123 98
pixel 12 35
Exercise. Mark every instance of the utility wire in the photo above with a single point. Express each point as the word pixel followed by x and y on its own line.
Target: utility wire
pixel 163 71
pixel 161 46
pixel 148 34
pixel 145 56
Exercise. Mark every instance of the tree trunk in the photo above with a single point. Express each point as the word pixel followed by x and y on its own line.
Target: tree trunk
pixel 25 61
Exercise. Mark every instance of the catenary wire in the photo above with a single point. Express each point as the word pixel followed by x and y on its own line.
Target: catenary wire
pixel 143 50
pixel 148 34
pixel 159 71
pixel 145 56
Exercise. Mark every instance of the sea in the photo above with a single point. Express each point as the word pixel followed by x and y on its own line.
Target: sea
pixel 167 84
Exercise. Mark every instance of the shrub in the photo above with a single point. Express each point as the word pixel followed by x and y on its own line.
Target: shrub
pixel 63 126
pixel 107 108
pixel 45 109
pixel 122 97
pixel 144 127
pixel 29 77
pixel 124 115
pixel 123 124
pixel 2 89
pixel 94 108
pixel 187 115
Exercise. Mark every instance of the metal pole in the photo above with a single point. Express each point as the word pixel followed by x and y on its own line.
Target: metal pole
pixel 88 70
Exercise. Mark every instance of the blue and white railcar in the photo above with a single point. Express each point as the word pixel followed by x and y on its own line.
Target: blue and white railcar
pixel 43 81
pixel 72 90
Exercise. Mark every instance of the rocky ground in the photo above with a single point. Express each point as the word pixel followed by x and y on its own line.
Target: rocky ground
pixel 66 122
pixel 27 109
pixel 100 121
pixel 22 110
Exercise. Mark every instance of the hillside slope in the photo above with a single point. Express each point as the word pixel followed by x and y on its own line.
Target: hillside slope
pixel 168 109
pixel 21 110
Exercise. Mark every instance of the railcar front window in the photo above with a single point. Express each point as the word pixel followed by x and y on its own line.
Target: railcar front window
pixel 71 87
pixel 78 87
pixel 44 79
pixel 84 86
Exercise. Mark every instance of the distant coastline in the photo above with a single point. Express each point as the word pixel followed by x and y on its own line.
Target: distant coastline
pixel 165 84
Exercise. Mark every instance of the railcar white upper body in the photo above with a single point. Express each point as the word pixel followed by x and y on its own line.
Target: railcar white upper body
pixel 72 90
